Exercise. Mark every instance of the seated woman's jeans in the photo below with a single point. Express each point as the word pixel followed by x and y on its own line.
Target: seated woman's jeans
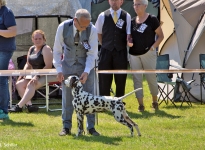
pixel 4 89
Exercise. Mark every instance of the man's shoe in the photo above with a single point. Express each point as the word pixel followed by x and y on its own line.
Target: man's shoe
pixel 64 132
pixel 93 132
pixel 155 106
pixel 32 108
pixel 4 116
pixel 15 109
pixel 141 108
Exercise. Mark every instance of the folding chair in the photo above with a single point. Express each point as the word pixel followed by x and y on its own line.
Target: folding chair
pixel 202 75
pixel 175 91
pixel 183 95
pixel 47 93
pixel 166 87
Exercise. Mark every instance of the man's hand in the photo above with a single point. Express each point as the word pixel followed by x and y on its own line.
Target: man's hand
pixel 60 77
pixel 83 77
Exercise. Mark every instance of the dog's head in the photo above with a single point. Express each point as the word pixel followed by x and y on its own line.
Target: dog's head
pixel 72 81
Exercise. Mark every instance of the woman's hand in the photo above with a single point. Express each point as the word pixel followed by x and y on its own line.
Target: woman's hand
pixel 129 41
pixel 35 79
pixel 20 77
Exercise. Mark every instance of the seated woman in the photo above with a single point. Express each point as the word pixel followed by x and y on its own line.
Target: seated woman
pixel 39 57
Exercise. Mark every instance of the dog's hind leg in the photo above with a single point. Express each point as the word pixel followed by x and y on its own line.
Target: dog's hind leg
pixel 80 118
pixel 121 120
pixel 129 120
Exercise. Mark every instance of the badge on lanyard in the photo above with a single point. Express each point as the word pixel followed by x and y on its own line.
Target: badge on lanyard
pixel 86 45
pixel 142 28
pixel 120 23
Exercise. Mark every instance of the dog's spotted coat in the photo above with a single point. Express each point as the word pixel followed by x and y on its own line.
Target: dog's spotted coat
pixel 86 103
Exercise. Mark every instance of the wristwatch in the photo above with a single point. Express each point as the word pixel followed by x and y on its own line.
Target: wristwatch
pixel 153 48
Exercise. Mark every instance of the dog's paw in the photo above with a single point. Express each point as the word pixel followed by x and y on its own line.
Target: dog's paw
pixel 80 133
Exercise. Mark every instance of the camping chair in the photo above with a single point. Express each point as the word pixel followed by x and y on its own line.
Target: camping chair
pixel 44 91
pixel 202 75
pixel 168 85
pixel 182 96
pixel 180 87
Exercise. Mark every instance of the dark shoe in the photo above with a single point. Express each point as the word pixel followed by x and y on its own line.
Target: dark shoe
pixel 64 132
pixel 155 106
pixel 93 132
pixel 141 108
pixel 15 109
pixel 32 108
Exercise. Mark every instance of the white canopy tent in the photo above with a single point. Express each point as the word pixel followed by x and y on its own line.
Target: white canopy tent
pixel 184 31
pixel 45 15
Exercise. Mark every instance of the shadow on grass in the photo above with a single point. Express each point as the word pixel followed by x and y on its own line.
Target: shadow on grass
pixel 7 122
pixel 147 114
pixel 103 139
pixel 50 113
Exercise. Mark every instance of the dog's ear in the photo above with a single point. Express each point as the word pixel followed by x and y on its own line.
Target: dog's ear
pixel 73 82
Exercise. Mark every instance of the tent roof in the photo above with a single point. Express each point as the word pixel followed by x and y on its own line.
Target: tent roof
pixel 188 9
pixel 44 7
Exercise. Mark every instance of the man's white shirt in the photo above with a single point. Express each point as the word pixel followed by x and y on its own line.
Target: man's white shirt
pixel 101 18
pixel 59 44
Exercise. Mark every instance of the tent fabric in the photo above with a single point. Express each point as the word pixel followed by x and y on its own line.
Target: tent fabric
pixel 187 41
pixel 44 7
pixel 26 10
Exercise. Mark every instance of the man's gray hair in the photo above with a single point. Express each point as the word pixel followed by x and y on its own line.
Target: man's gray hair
pixel 83 13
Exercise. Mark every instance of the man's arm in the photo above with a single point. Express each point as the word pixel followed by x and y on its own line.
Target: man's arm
pixel 92 52
pixel 57 51
pixel 100 38
pixel 99 24
pixel 91 55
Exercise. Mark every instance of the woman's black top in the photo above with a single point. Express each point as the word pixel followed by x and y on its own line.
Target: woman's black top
pixel 36 60
pixel 143 35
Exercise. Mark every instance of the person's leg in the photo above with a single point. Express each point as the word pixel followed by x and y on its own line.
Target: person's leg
pixel 136 64
pixel 105 80
pixel 4 94
pixel 26 90
pixel 29 93
pixel 30 90
pixel 119 63
pixel 67 108
pixel 21 86
pixel 149 62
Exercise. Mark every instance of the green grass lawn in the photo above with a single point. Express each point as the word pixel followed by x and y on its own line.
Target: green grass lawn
pixel 169 128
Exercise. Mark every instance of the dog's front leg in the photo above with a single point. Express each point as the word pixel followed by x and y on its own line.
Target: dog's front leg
pixel 80 118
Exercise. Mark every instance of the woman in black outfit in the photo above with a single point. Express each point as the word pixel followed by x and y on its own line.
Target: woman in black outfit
pixel 146 36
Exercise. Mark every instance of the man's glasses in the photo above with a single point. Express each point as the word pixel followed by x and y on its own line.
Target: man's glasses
pixel 137 5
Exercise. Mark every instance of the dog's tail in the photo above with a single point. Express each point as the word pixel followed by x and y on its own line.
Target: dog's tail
pixel 121 98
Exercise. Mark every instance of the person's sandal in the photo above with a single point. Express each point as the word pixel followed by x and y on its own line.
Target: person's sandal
pixel 15 109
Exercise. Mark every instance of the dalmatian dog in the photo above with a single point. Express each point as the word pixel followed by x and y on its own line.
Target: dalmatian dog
pixel 86 103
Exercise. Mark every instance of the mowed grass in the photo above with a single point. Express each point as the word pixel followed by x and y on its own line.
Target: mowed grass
pixel 169 128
